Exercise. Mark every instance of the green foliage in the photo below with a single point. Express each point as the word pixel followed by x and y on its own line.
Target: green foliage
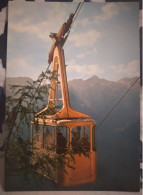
pixel 21 155
pixel 81 146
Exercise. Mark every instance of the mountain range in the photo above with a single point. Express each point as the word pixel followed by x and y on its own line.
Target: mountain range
pixel 97 97
pixel 118 127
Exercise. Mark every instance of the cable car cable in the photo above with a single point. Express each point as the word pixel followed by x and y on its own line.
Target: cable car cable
pixel 117 103
pixel 75 16
pixel 78 9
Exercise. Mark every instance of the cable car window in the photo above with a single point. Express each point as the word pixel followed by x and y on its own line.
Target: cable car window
pixel 93 139
pixel 62 140
pixel 80 138
pixel 37 135
pixel 64 131
pixel 49 136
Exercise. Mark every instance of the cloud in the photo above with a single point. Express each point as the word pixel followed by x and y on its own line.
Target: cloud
pixel 130 70
pixel 85 53
pixel 124 6
pixel 22 67
pixel 107 11
pixel 26 27
pixel 86 39
pixel 82 71
pixel 110 10
pixel 84 22
pixel 29 20
pixel 82 55
pixel 94 50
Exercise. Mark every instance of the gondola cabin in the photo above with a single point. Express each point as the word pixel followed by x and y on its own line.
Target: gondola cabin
pixel 64 127
pixel 63 134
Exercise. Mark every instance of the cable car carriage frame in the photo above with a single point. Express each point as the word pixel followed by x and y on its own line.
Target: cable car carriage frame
pixel 64 127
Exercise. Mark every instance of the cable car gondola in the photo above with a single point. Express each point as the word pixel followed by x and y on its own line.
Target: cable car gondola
pixel 64 127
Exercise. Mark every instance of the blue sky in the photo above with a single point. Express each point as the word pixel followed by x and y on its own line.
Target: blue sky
pixel 104 39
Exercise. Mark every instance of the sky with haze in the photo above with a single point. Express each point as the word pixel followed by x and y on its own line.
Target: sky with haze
pixel 104 39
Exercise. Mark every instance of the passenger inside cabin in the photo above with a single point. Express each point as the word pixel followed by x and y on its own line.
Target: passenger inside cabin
pixel 85 141
pixel 79 143
pixel 61 143
pixel 48 138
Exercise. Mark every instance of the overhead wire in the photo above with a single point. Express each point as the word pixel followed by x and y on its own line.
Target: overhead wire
pixel 117 103
pixel 75 16
pixel 78 10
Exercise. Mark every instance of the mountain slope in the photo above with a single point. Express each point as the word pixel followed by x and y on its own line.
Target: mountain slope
pixel 15 81
pixel 97 97
pixel 117 138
